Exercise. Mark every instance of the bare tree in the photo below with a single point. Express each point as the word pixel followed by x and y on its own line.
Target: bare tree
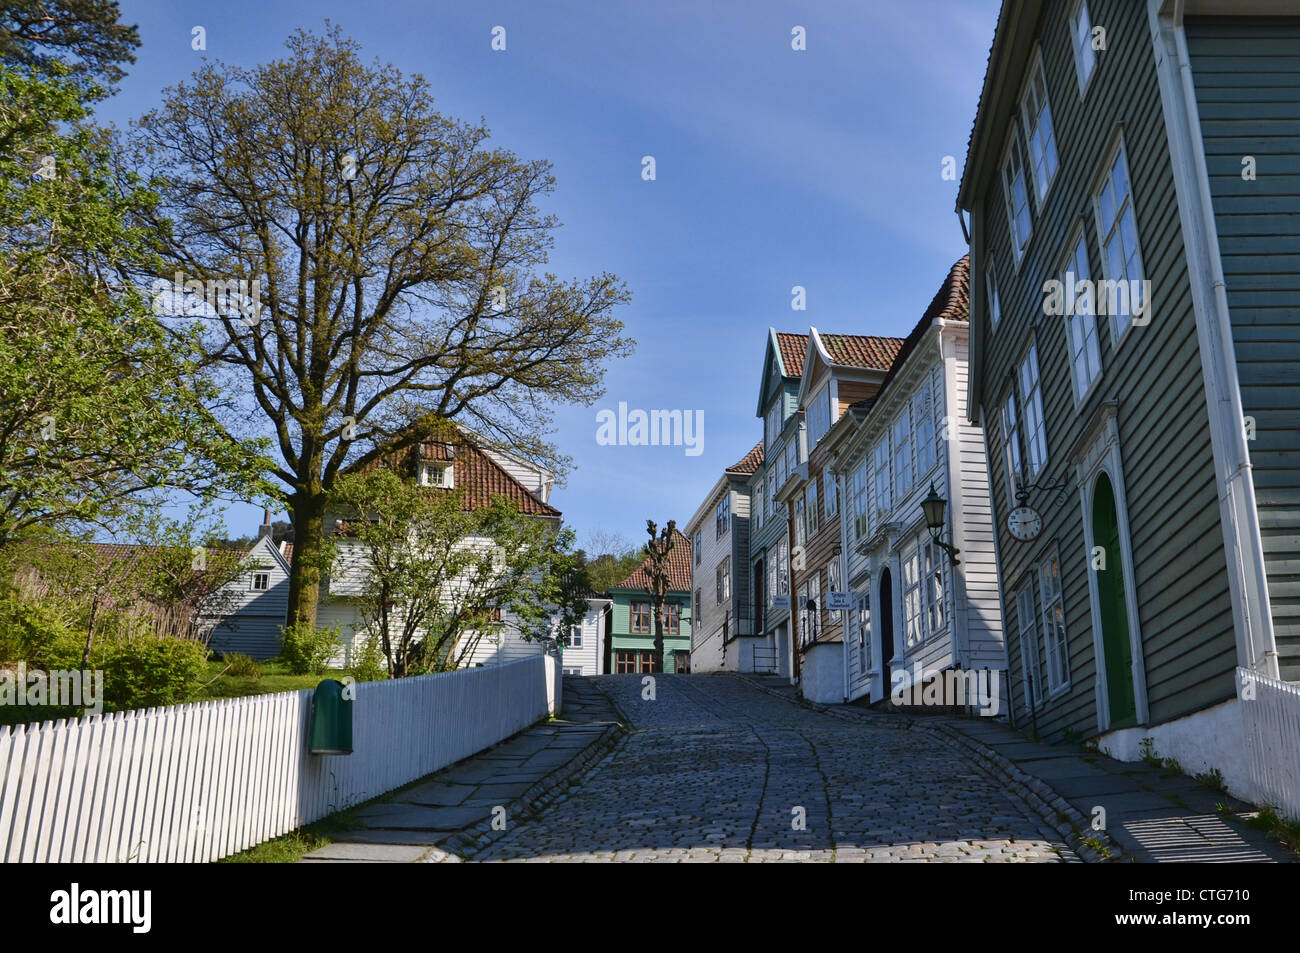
pixel 656 568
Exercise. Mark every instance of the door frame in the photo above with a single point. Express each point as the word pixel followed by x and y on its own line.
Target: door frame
pixel 1097 451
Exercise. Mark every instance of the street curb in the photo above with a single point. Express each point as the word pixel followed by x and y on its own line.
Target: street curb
pixel 1036 793
pixel 463 845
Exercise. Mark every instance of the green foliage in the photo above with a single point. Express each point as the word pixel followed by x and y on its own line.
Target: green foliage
pixel 141 673
pixel 306 648
pixel 240 666
pixel 368 663
pixel 26 627
pixel 1213 779
pixel 81 35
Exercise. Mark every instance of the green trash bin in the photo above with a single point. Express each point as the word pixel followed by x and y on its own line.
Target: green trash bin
pixel 331 719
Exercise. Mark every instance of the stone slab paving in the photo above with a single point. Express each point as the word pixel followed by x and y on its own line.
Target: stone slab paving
pixel 717 770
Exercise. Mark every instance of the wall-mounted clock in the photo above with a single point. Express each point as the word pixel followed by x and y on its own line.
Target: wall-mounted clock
pixel 1024 523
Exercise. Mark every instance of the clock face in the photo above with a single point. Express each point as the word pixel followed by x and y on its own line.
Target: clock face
pixel 1024 523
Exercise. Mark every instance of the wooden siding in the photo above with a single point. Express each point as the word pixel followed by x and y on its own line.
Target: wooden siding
pixel 1178 559
pixel 252 627
pixel 1247 81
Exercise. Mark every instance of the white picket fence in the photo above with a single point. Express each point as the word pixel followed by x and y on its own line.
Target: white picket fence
pixel 1271 720
pixel 194 783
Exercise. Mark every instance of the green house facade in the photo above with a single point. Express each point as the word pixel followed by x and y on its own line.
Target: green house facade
pixel 632 628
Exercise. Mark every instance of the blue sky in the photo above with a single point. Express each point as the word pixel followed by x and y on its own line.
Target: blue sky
pixel 775 168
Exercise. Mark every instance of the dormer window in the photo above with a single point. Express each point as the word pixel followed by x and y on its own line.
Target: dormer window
pixel 435 474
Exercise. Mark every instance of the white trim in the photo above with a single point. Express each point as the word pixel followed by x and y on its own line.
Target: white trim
pixel 1243 546
pixel 1117 148
pixel 1066 262
pixel 1036 66
pixel 1018 253
pixel 1070 11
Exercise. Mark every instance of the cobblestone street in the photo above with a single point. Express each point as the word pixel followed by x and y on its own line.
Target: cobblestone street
pixel 716 769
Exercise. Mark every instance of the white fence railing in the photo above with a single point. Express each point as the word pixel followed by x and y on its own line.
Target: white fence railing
pixel 202 781
pixel 1270 712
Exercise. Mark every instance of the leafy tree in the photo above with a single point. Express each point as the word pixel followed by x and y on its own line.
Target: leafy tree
pixel 100 407
pixel 82 35
pixel 397 256
pixel 657 569
pixel 435 578
pixel 610 568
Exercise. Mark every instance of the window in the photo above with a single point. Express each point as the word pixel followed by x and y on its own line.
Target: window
pixel 1058 660
pixel 775 418
pixel 625 662
pixel 699 546
pixel 773 579
pixel 995 303
pixel 572 671
pixel 765 499
pixel 1031 411
pixel 833 585
pixel 913 624
pixel 818 416
pixel 723 579
pixel 681 663
pixel 1016 194
pixel 831 490
pixel 494 614
pixel 864 624
pixel 574 639
pixel 722 518
pixel 1120 255
pixel 1030 669
pixel 645 661
pixel 641 618
pixel 881 460
pixel 1011 434
pixel 757 504
pixel 783 568
pixel 672 618
pixel 901 439
pixel 1036 115
pixel 1081 323
pixel 261 581
pixel 435 474
pixel 792 455
pixel 699 609
pixel 858 487
pixel 923 416
pixel 800 522
pixel 809 617
pixel 811 510
pixel 935 566
pixel 1085 58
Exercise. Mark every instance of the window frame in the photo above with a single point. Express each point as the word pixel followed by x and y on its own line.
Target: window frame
pixel 1032 400
pixel 1069 261
pixel 1037 71
pixel 635 613
pixel 1011 444
pixel 1057 643
pixel 1117 152
pixel 1030 657
pixel 812 508
pixel 1013 151
pixel 263 575
pixel 1078 44
pixel 993 302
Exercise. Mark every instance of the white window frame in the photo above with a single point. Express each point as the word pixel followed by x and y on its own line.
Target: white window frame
pixel 722 517
pixel 1081 329
pixel 1027 627
pixel 1034 122
pixel 864 627
pixel 1030 388
pixel 830 492
pixel 900 440
pixel 859 482
pixel 832 585
pixel 1051 602
pixel 923 432
pixel 994 303
pixel 699 546
pixel 445 480
pixel 800 522
pixel 812 508
pixel 913 611
pixel 1080 32
pixel 1013 459
pixel 1117 157
pixel 1011 168
pixel 262 575
pixel 883 480
pixel 574 639
pixel 937 587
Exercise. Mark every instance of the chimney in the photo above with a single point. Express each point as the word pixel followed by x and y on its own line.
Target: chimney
pixel 264 531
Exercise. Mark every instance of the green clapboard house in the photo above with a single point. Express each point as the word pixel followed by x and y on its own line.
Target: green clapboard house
pixel 632 632
pixel 1133 190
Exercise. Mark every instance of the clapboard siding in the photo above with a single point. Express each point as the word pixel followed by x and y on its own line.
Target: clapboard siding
pixel 251 619
pixel 1154 376
pixel 1247 81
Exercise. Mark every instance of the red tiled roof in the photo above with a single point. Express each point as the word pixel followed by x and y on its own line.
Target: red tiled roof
pixel 286 550
pixel 793 347
pixel 750 461
pixel 481 478
pixel 861 350
pixel 679 568
pixel 951 303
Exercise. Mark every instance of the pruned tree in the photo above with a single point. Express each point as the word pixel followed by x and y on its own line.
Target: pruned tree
pixel 656 567
pixel 397 256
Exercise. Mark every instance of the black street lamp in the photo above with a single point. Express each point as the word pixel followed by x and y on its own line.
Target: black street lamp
pixel 934 506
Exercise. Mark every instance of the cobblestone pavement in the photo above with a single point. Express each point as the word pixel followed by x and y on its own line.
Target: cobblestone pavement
pixel 718 770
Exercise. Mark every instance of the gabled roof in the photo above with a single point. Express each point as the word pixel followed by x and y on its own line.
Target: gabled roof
pixel 791 349
pixel 750 462
pixel 679 568
pixel 861 350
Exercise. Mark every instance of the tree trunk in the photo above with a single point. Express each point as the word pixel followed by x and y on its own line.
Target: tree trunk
pixel 307 513
pixel 658 661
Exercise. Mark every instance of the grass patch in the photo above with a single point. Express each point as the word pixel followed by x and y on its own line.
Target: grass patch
pixel 1278 827
pixel 271 677
pixel 294 846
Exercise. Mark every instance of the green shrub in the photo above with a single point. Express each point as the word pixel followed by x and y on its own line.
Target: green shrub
pixel 141 673
pixel 240 666
pixel 28 630
pixel 368 664
pixel 306 649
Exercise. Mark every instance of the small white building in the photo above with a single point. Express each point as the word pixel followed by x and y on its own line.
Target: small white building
pixel 254 603
pixel 916 613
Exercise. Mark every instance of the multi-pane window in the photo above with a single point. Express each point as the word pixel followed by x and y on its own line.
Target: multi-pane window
pixel 574 639
pixel 757 504
pixel 1016 195
pixel 934 565
pixel 924 418
pixel 1085 58
pixel 722 517
pixel 800 522
pixel 830 491
pixel 942 426
pixel 812 512
pixel 901 441
pixel 832 585
pixel 625 662
pixel 1081 323
pixel 1031 410
pixel 864 625
pixel 995 303
pixel 435 474
pixel 859 491
pixel 699 547
pixel 880 459
pixel 775 418
pixel 641 618
pixel 1117 228
pixel 792 454
pixel 1011 435
pixel 1058 660
pixel 1036 115
pixel 913 623
pixel 765 500
pixel 1030 666
pixel 818 416
pixel 698 614
pixel 261 581
pixel 672 618
pixel 809 617
pixel 724 580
